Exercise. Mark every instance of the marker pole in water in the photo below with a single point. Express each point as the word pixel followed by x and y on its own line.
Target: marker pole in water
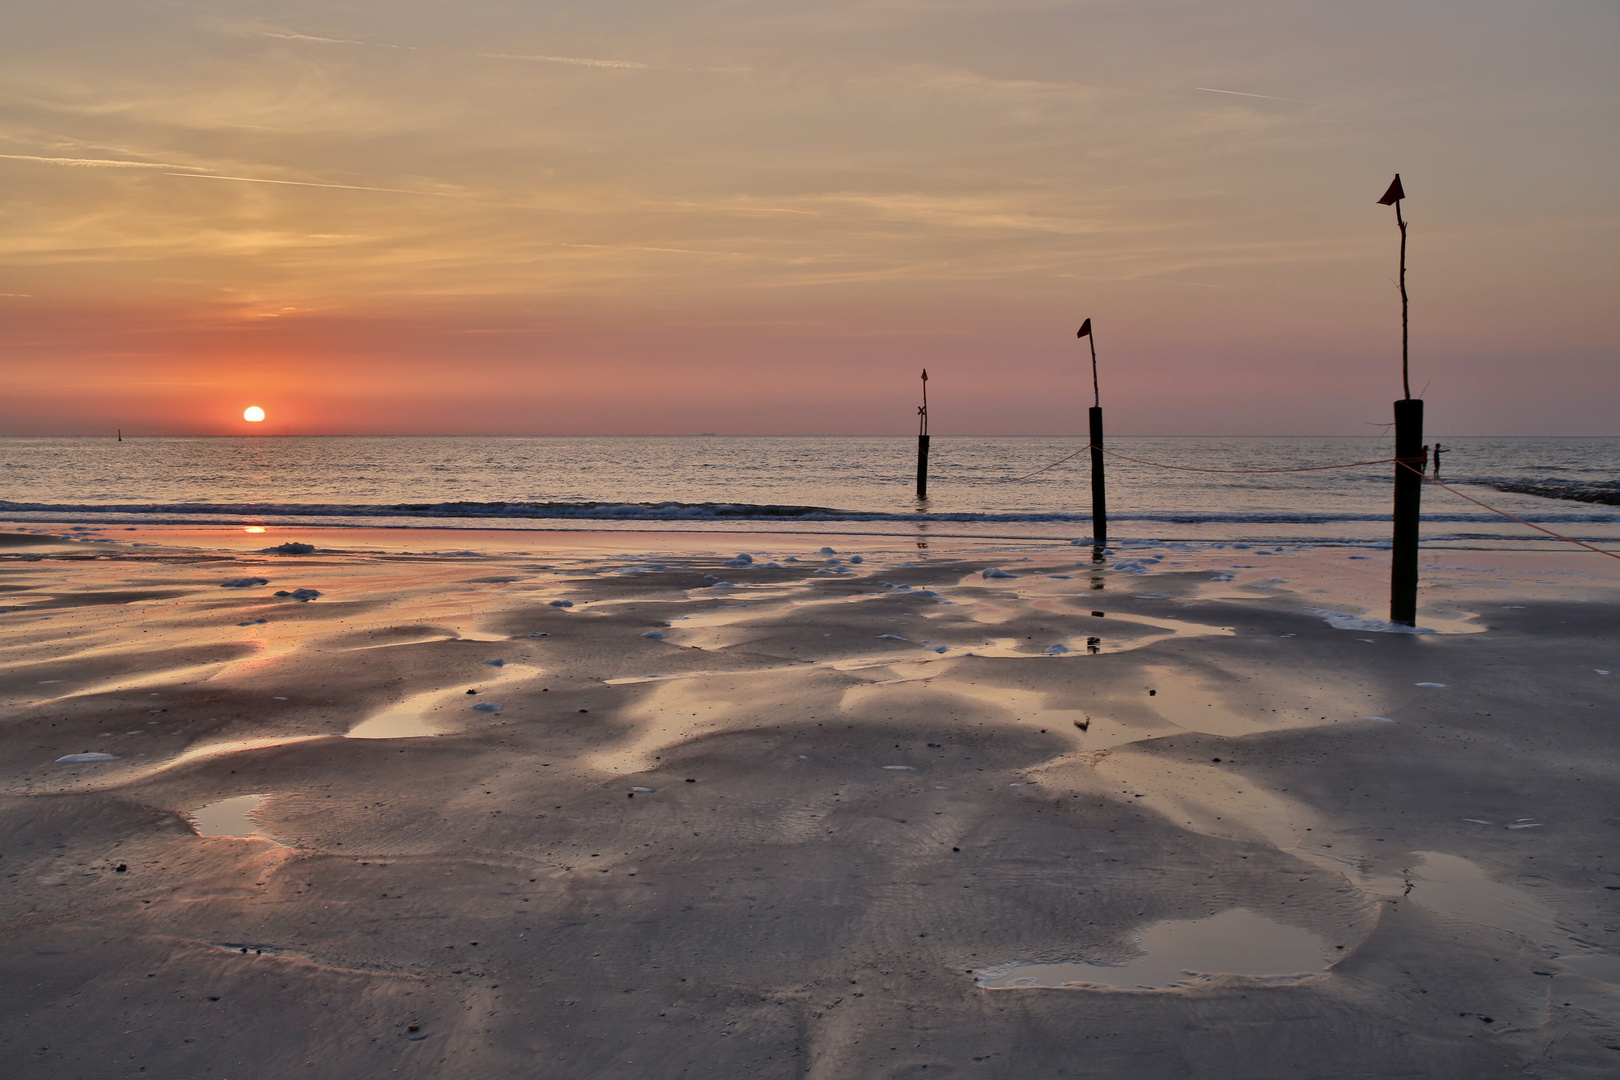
pixel 1099 487
pixel 1403 570
pixel 922 440
pixel 1394 196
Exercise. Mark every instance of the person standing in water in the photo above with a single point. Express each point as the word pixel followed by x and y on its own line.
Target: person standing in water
pixel 1423 466
pixel 1437 452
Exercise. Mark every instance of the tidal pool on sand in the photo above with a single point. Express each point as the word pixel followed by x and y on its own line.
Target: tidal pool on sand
pixel 1454 886
pixel 1236 942
pixel 229 817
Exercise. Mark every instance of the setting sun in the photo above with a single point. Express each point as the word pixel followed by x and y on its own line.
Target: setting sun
pixel 253 413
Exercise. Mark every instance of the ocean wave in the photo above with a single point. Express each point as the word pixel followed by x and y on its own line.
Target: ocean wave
pixel 237 513
pixel 1606 493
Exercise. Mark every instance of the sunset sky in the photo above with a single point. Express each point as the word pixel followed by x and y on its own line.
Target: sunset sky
pixel 764 216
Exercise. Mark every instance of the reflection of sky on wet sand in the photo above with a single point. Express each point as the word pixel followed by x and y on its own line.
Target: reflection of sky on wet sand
pixel 434 712
pixel 1454 886
pixel 1235 942
pixel 228 817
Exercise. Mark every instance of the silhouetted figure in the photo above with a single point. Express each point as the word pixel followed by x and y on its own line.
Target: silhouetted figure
pixel 1438 450
pixel 1424 467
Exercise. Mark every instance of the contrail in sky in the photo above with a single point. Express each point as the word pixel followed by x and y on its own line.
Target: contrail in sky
pixel 305 183
pixel 1268 97
pixel 289 36
pixel 578 61
pixel 109 163
pixel 94 163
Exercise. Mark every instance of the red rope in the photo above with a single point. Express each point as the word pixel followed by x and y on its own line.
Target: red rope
pixel 1402 462
pixel 1179 468
pixel 1188 468
pixel 1043 468
pixel 1015 479
pixel 1504 513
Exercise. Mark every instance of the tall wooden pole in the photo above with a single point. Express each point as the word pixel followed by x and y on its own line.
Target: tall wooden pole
pixel 1406 378
pixel 922 440
pixel 1099 487
pixel 1403 570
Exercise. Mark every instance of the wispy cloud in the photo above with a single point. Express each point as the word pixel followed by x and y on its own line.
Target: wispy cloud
pixel 94 163
pixel 1267 97
pixel 577 61
pixel 168 167
pixel 286 35
pixel 307 183
pixel 1200 284
pixel 668 250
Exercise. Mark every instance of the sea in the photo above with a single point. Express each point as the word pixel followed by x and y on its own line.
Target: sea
pixel 1164 489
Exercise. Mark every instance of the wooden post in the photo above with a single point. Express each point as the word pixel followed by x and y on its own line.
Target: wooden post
pixel 1403 573
pixel 1099 487
pixel 1406 379
pixel 1403 568
pixel 922 440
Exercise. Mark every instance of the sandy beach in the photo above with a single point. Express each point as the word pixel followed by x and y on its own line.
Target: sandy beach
pixel 659 805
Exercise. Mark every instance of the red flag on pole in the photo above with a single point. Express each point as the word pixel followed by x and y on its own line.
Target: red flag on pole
pixel 1394 194
pixel 1085 329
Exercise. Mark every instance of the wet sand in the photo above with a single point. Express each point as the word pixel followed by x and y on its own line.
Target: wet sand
pixel 616 805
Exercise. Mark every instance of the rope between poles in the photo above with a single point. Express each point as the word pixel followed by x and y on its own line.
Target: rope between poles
pixel 1161 465
pixel 1043 468
pixel 1015 479
pixel 1189 468
pixel 1401 462
pixel 1504 513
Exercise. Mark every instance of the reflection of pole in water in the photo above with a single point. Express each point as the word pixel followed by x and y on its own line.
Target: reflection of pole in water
pixel 922 536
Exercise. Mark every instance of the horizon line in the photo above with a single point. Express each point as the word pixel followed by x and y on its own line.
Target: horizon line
pixel 800 435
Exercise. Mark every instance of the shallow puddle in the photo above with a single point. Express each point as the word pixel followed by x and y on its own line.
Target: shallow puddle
pixel 1173 954
pixel 229 817
pixel 1454 886
pixel 1451 885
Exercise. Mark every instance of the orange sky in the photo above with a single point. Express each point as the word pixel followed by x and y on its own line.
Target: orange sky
pixel 699 216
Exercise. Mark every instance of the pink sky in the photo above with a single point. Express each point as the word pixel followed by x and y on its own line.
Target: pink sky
pixel 685 217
